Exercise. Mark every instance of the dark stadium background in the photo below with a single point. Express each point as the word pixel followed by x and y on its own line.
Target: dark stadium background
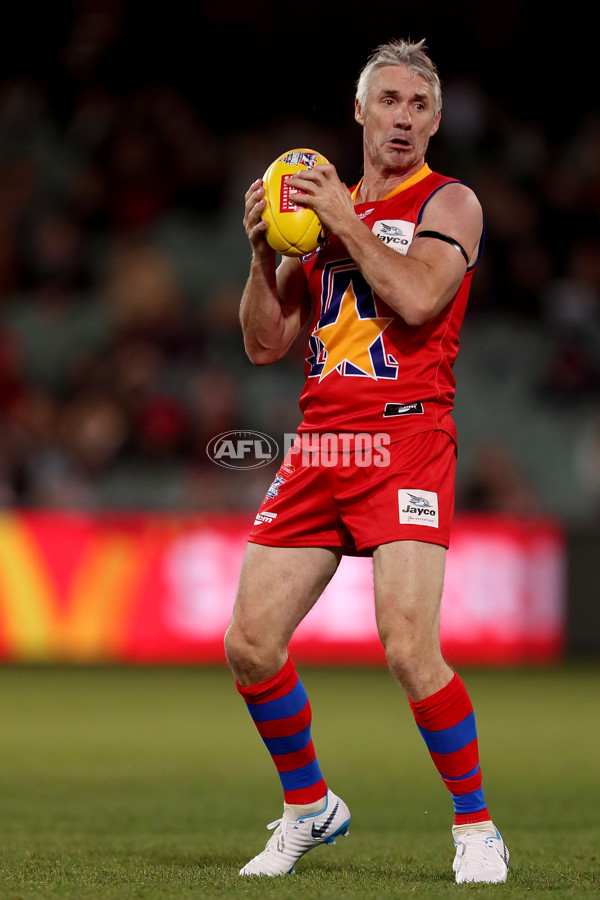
pixel 128 134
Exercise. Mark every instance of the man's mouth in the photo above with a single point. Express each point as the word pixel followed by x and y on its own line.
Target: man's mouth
pixel 399 143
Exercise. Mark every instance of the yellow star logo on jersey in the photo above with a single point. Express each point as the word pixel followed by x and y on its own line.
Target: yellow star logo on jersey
pixel 349 338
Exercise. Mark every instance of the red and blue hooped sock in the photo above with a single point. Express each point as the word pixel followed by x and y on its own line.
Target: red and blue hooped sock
pixel 281 712
pixel 447 723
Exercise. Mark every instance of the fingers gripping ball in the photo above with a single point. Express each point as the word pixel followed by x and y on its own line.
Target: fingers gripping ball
pixel 293 230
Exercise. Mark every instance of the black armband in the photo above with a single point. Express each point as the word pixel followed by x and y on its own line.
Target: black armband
pixel 446 238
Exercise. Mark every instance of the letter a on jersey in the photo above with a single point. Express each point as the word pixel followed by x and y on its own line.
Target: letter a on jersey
pixel 349 338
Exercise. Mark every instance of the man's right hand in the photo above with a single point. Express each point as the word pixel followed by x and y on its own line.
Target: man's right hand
pixel 255 227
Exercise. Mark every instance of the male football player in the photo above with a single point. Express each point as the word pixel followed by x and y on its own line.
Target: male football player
pixel 387 291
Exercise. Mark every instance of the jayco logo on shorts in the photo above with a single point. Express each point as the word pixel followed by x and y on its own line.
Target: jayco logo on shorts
pixel 242 449
pixel 418 507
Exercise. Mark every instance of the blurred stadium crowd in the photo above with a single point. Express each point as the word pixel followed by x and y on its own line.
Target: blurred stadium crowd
pixel 122 258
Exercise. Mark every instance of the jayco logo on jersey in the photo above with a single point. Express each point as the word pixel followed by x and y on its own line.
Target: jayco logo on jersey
pixel 418 507
pixel 395 233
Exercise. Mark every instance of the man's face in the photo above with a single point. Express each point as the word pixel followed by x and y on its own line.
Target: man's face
pixel 398 118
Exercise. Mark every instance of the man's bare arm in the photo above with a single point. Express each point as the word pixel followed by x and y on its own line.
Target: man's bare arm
pixel 416 286
pixel 275 302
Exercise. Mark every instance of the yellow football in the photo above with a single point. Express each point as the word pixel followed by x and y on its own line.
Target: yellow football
pixel 293 230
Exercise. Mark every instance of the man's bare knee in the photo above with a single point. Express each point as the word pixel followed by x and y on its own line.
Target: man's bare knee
pixel 416 663
pixel 251 657
pixel 403 657
pixel 408 589
pixel 278 587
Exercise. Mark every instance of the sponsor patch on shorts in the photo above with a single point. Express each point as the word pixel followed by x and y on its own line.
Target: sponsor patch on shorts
pixel 264 517
pixel 418 507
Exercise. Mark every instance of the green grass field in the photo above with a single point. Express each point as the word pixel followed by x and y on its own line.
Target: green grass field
pixel 152 783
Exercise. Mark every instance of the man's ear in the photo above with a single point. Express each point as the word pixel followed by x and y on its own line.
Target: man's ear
pixel 358 112
pixel 436 123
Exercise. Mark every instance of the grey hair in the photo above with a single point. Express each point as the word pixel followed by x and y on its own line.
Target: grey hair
pixel 401 53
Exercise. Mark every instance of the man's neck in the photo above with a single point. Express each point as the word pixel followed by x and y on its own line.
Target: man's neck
pixel 377 184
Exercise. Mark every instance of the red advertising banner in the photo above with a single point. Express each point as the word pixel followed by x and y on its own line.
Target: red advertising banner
pixel 160 589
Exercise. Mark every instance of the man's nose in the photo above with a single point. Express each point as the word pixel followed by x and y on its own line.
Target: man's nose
pixel 403 118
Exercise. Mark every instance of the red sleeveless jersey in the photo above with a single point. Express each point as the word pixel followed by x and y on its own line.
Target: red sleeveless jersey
pixel 366 369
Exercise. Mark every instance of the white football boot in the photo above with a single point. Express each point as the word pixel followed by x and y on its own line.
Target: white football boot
pixel 481 854
pixel 293 837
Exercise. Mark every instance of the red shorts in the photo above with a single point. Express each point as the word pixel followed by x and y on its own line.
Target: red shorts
pixel 404 492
